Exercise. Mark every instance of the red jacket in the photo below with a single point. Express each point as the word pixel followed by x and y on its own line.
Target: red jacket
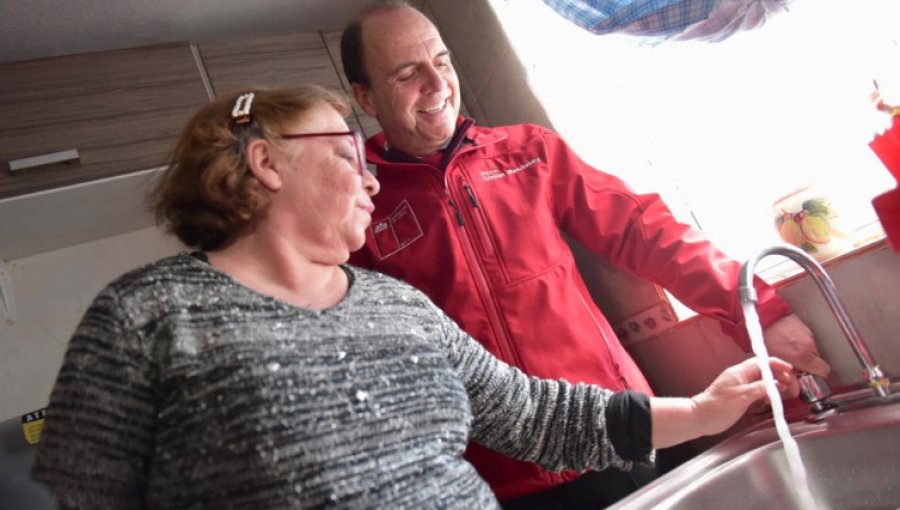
pixel 483 240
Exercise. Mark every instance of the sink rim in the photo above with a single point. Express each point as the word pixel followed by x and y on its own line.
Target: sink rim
pixel 859 412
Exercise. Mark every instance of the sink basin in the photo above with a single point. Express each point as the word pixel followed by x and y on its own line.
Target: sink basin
pixel 852 459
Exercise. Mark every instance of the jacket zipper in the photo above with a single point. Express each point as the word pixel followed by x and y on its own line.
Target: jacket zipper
pixel 612 364
pixel 503 341
pixel 481 230
pixel 459 218
pixel 472 198
pixel 504 344
pixel 481 233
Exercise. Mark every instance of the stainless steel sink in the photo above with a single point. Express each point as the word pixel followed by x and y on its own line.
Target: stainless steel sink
pixel 852 459
pixel 851 450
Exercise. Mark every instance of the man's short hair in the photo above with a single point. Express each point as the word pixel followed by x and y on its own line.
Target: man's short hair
pixel 351 39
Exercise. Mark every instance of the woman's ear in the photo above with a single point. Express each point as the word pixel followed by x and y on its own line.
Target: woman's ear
pixel 261 160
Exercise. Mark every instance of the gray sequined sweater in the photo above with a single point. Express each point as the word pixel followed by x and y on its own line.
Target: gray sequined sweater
pixel 183 389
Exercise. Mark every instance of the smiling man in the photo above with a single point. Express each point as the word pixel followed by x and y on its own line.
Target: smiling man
pixel 474 217
pixel 402 64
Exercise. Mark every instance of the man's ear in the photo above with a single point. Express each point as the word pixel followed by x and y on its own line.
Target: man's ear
pixel 261 160
pixel 361 93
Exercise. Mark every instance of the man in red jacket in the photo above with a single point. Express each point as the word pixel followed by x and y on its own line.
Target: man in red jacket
pixel 474 217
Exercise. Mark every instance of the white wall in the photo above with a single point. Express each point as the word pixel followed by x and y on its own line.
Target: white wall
pixel 50 291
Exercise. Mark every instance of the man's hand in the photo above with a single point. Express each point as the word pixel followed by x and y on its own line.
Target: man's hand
pixel 788 338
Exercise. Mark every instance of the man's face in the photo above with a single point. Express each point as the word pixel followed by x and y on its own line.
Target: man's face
pixel 414 91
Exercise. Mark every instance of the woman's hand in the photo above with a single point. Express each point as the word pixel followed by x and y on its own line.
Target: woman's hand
pixel 676 420
pixel 729 396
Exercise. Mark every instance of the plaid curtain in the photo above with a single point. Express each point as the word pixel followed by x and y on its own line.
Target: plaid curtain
pixel 709 20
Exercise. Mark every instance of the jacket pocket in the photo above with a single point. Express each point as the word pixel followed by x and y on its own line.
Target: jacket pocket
pixel 400 229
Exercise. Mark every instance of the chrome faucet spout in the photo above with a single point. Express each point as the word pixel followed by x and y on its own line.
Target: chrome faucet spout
pixel 876 379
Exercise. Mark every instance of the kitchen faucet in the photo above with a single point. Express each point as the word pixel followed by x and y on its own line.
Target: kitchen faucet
pixel 815 391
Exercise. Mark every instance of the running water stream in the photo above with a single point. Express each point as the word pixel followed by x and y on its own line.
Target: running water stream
pixel 791 449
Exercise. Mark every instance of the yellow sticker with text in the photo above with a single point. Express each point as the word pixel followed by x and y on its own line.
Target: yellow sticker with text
pixel 33 425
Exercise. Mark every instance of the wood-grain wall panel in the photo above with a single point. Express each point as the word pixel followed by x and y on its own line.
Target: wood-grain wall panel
pixel 122 110
pixel 279 61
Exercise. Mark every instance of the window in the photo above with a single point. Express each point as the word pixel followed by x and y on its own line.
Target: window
pixel 722 130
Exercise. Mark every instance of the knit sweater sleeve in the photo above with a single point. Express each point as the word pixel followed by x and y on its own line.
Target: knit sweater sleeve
pixel 95 447
pixel 556 424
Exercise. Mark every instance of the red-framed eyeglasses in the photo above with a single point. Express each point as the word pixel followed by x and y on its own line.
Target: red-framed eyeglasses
pixel 359 143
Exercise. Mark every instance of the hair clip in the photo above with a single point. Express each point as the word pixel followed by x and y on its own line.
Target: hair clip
pixel 241 111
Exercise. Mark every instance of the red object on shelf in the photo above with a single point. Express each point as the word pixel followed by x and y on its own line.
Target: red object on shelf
pixel 887 205
pixel 887 147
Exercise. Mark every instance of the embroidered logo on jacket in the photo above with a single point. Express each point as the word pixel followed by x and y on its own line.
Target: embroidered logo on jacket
pixel 400 229
pixel 497 173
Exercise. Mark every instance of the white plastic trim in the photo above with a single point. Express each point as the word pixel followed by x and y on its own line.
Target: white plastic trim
pixel 6 293
pixel 67 156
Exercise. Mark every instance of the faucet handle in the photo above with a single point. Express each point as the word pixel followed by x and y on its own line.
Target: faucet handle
pixel 815 392
pixel 813 388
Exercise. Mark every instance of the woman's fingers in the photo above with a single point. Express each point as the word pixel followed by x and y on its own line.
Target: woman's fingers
pixel 780 364
pixel 755 390
pixel 785 380
pixel 788 385
pixel 749 372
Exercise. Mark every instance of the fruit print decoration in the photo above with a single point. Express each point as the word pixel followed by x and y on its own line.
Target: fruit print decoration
pixel 807 228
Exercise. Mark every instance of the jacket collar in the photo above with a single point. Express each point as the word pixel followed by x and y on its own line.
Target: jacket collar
pixel 467 137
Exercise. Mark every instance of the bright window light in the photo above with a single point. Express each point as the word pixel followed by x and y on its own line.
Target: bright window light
pixel 722 130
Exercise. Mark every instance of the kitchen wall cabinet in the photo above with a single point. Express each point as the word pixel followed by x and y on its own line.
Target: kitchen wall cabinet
pixel 121 110
pixel 275 61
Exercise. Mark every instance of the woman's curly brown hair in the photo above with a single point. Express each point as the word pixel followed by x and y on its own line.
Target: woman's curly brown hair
pixel 208 192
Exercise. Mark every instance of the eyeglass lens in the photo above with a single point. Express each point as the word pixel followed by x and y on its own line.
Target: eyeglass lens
pixel 360 144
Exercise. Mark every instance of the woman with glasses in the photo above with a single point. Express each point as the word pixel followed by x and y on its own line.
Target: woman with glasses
pixel 261 372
